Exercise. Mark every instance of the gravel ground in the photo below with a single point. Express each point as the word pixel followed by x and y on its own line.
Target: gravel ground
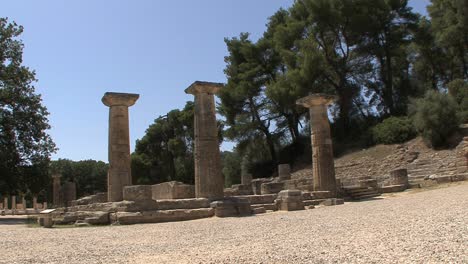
pixel 422 227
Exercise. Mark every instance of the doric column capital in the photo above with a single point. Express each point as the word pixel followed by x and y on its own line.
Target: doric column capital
pixel 316 100
pixel 119 99
pixel 199 87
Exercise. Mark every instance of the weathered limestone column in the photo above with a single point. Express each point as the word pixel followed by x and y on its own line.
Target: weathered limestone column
pixel 284 172
pixel 5 203
pixel 209 180
pixel 323 163
pixel 13 202
pixel 23 200
pixel 34 202
pixel 56 189
pixel 119 174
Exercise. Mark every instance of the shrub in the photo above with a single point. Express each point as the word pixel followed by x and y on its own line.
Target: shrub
pixel 459 90
pixel 435 117
pixel 393 130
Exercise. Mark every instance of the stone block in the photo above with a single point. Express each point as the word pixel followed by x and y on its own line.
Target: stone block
pixel 289 200
pixel 272 187
pixel 173 190
pixel 399 177
pixel 257 185
pixel 129 218
pixel 137 193
pixel 172 204
pixel 231 206
pixel 284 172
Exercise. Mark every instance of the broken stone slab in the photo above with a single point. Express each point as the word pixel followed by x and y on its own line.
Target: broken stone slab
pixel 259 199
pixel 173 190
pixel 231 207
pixel 272 187
pixel 183 204
pixel 98 218
pixel 96 198
pixel 129 218
pixel 289 200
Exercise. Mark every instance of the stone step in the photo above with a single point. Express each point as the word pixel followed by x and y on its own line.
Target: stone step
pixel 366 196
pixel 259 210
pixel 393 188
pixel 173 204
pixel 268 206
pixel 126 218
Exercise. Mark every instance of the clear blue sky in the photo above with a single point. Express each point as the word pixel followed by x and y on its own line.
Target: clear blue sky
pixel 82 49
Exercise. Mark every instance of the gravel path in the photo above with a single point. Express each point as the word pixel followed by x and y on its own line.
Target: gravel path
pixel 423 227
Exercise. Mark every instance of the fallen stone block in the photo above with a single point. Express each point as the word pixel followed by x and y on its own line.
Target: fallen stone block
pixel 272 187
pixel 289 200
pixel 232 207
pixel 96 198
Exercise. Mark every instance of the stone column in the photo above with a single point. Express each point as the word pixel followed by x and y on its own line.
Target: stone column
pixel 284 172
pixel 34 202
pixel 23 200
pixel 119 174
pixel 56 189
pixel 323 163
pixel 13 202
pixel 5 203
pixel 209 180
pixel 44 205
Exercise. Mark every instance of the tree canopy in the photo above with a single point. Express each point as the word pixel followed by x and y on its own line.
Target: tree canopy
pixel 25 146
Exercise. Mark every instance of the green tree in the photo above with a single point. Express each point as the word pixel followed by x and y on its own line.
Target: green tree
pixel 449 20
pixel 388 28
pixel 25 146
pixel 165 153
pixel 243 101
pixel 435 117
pixel 90 176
